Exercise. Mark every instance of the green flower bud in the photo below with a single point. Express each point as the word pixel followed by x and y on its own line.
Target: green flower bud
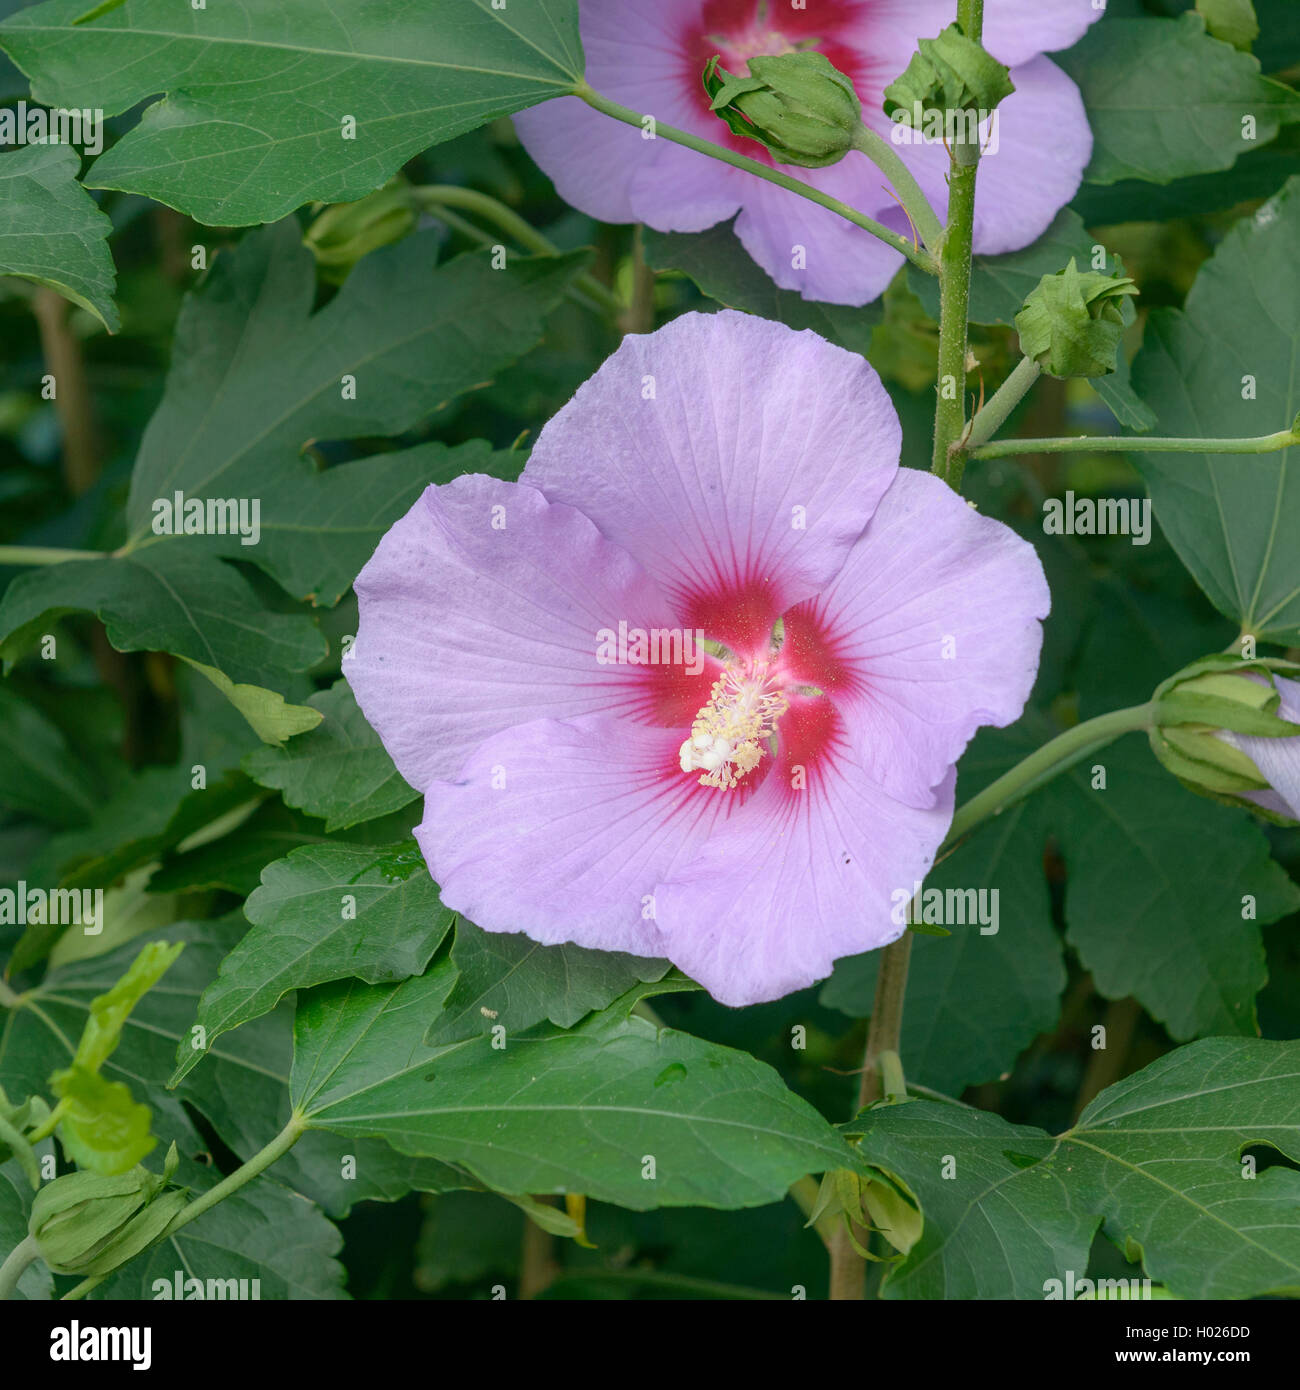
pixel 88 1224
pixel 342 234
pixel 797 104
pixel 1193 708
pixel 949 74
pixel 1072 323
pixel 1233 21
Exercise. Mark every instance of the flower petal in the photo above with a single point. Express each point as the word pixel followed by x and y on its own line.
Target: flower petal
pixel 482 609
pixel 1014 30
pixel 808 248
pixel 796 879
pixel 561 829
pixel 931 630
pixel 614 171
pixel 736 459
pixel 1278 759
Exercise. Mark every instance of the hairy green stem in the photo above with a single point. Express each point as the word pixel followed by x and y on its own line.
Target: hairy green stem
pixel 1002 402
pixel 1055 756
pixel 1135 444
pixel 922 259
pixel 45 555
pixel 954 287
pixel 910 194
pixel 435 197
pixel 23 1254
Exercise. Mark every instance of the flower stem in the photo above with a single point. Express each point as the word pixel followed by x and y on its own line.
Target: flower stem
pixel 848 1268
pixel 435 196
pixel 923 260
pixel 1135 444
pixel 954 286
pixel 1055 756
pixel 45 555
pixel 1002 402
pixel 23 1254
pixel 260 1161
pixel 917 206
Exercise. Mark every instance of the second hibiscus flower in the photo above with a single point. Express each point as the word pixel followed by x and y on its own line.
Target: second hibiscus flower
pixel 651 57
pixel 695 686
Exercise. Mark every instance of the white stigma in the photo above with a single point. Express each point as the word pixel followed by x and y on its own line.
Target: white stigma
pixel 728 735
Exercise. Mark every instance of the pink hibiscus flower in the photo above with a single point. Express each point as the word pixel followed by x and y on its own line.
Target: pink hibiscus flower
pixel 650 56
pixel 830 632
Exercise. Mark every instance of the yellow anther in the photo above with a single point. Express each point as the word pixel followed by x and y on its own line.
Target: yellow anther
pixel 728 735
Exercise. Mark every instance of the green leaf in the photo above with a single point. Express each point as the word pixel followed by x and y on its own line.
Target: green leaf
pixel 1257 174
pixel 339 772
pixel 39 774
pixel 164 599
pixel 52 232
pixel 724 271
pixel 1159 1155
pixel 103 1128
pixel 1000 1218
pixel 1000 285
pixel 509 981
pixel 257 100
pixel 110 1011
pixel 1233 519
pixel 585 1111
pixel 325 912
pixel 409 334
pixel 269 714
pixel 241 1089
pixel 1165 100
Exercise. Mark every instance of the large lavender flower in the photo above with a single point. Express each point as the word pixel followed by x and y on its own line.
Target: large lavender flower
pixel 650 56
pixel 749 803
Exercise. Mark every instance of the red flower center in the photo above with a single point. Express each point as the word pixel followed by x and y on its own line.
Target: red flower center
pixel 738 30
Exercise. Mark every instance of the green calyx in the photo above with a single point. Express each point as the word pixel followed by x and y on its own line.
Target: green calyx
pixel 1194 708
pixel 801 107
pixel 88 1224
pixel 346 232
pixel 1072 323
pixel 947 74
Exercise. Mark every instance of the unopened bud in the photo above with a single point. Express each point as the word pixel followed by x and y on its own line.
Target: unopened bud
pixel 1073 321
pixel 797 104
pixel 1223 727
pixel 88 1224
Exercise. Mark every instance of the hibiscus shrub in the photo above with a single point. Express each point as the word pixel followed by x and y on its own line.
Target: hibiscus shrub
pixel 650 649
